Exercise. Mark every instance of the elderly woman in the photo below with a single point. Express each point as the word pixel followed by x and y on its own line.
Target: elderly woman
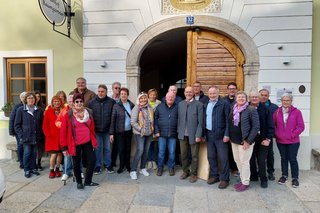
pixel 28 127
pixel 77 136
pixel 243 129
pixel 52 133
pixel 142 124
pixel 121 128
pixel 289 125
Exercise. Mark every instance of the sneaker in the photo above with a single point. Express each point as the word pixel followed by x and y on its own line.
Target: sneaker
pixel 52 174
pixel 144 172
pixel 295 183
pixel 133 175
pixel 282 180
pixel 35 172
pixel 110 170
pixel 264 184
pixel 120 170
pixel 82 175
pixel 271 176
pixel 80 186
pixel 97 170
pixel 27 174
pixel 237 185
pixel 64 177
pixel 242 188
pixel 91 184
pixel 57 173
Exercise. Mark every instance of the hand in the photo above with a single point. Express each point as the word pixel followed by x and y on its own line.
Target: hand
pixel 226 139
pixel 111 138
pixel 246 145
pixel 157 135
pixel 265 143
pixel 198 140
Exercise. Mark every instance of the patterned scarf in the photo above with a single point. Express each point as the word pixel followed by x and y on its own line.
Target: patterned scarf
pixel 236 113
pixel 142 118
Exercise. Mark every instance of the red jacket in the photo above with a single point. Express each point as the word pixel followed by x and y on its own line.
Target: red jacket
pixel 289 133
pixel 51 131
pixel 66 138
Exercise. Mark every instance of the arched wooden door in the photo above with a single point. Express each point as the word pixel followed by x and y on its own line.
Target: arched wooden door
pixel 213 59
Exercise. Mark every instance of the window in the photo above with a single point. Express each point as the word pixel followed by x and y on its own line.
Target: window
pixel 26 74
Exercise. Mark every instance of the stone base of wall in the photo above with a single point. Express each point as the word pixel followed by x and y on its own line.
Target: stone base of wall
pixel 12 146
pixel 316 155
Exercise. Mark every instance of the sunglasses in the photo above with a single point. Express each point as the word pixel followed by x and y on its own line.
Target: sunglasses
pixel 77 102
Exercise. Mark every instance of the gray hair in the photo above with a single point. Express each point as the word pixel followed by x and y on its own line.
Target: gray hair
pixel 264 90
pixel 21 96
pixel 288 95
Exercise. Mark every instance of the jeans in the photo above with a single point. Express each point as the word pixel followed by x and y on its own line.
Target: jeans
pixel 67 165
pixel 124 148
pixel 29 157
pixel 217 149
pixel 163 143
pixel 185 146
pixel 87 150
pixel 152 154
pixel 288 153
pixel 103 148
pixel 20 150
pixel 259 156
pixel 142 148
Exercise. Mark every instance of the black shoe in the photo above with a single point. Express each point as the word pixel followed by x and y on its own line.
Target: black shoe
pixel 295 183
pixel 264 184
pixel 80 186
pixel 120 171
pixel 35 172
pixel 271 176
pixel 91 184
pixel 27 174
pixel 21 166
pixel 110 170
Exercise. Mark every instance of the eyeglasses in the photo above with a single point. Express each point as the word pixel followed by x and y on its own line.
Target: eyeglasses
pixel 78 102
pixel 232 88
pixel 116 87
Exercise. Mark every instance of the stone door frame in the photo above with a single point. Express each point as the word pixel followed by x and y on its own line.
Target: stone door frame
pixel 216 24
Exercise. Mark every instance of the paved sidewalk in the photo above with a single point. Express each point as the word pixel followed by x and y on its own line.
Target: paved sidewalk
pixel 118 193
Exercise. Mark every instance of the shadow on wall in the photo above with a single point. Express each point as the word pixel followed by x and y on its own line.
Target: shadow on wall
pixel 77 22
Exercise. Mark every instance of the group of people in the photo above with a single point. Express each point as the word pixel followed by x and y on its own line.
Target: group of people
pixel 91 131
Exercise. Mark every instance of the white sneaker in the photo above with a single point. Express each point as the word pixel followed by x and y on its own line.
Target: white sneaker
pixel 64 177
pixel 144 172
pixel 82 175
pixel 133 175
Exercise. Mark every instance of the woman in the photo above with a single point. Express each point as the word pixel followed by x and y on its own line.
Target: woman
pixel 62 95
pixel 289 124
pixel 121 128
pixel 243 128
pixel 52 133
pixel 142 124
pixel 153 151
pixel 77 136
pixel 28 127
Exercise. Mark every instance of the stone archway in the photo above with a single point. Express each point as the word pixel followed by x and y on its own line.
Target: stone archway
pixel 223 26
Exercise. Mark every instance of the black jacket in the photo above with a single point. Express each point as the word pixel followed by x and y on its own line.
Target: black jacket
pixel 118 118
pixel 166 120
pixel 203 98
pixel 12 118
pixel 101 112
pixel 28 127
pixel 266 124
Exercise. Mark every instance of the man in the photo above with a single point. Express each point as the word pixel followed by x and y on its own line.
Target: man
pixel 232 89
pixel 165 123
pixel 262 141
pixel 198 94
pixel 217 135
pixel 174 89
pixel 264 98
pixel 101 107
pixel 82 89
pixel 190 128
pixel 116 86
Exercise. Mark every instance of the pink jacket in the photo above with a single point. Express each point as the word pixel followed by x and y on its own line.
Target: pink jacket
pixel 289 133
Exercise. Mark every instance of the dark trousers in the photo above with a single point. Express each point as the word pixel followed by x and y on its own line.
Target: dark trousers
pixel 114 152
pixel 232 163
pixel 86 150
pixel 124 148
pixel 20 150
pixel 288 153
pixel 29 156
pixel 217 149
pixel 184 146
pixel 259 156
pixel 270 158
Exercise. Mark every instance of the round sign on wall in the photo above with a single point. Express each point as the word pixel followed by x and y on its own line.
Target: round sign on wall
pixel 53 11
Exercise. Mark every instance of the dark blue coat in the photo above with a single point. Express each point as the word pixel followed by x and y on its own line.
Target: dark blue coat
pixel 28 127
pixel 266 124
pixel 12 118
pixel 166 120
pixel 118 118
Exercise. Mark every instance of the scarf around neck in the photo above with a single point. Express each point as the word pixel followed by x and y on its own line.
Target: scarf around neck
pixel 142 118
pixel 236 113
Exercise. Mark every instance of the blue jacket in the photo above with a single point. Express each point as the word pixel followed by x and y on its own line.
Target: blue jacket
pixel 266 124
pixel 220 113
pixel 166 120
pixel 12 117
pixel 28 127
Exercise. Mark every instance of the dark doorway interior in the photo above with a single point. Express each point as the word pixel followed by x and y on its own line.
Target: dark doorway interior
pixel 164 62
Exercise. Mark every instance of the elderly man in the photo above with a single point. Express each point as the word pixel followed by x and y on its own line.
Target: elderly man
pixel 82 89
pixel 174 89
pixel 198 94
pixel 165 123
pixel 217 135
pixel 264 98
pixel 190 129
pixel 116 86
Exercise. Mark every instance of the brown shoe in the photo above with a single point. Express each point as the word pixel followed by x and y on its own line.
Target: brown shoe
pixel 212 180
pixel 223 184
pixel 171 172
pixel 159 172
pixel 184 176
pixel 193 178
